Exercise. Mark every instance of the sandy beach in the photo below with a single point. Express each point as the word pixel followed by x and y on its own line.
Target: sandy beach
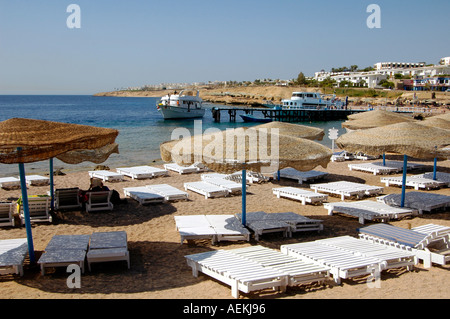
pixel 159 269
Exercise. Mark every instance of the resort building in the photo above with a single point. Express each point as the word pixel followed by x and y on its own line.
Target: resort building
pixel 433 77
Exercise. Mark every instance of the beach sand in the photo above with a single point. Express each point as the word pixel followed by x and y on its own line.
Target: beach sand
pixel 159 269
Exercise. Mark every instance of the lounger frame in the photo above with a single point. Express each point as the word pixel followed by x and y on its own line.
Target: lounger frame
pixel 304 196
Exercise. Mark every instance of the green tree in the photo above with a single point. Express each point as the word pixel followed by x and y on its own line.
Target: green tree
pixel 301 79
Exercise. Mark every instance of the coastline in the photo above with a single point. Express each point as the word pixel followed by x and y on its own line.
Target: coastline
pixel 259 95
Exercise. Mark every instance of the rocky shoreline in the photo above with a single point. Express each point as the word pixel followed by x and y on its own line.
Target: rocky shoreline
pixel 259 95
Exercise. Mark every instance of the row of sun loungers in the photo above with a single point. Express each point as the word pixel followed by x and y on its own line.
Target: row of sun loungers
pixel 257 268
pixel 421 181
pixel 31 180
pixel 64 250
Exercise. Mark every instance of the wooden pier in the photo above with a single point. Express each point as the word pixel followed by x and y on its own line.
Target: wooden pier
pixel 286 115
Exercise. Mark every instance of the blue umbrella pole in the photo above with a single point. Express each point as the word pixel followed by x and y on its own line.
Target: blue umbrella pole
pixel 405 165
pixel 244 197
pixel 52 202
pixel 435 169
pixel 384 159
pixel 26 212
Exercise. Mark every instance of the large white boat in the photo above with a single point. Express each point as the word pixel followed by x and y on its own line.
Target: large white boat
pixel 181 106
pixel 310 101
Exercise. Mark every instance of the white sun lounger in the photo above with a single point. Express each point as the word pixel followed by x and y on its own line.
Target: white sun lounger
pixel 440 177
pixel 347 189
pixel 142 172
pixel 12 255
pixel 194 168
pixel 365 157
pixel 305 196
pixel 261 224
pixel 369 210
pixel 37 180
pixel 213 227
pixel 169 192
pixel 7 213
pixel 379 168
pixel 206 189
pixel 64 250
pixel 420 201
pixel 430 243
pixel 231 186
pixel 298 272
pixel 239 273
pixel 143 195
pixel 342 264
pixel 394 257
pixel 301 177
pixel 9 182
pixel 106 176
pixel 413 181
pixel 39 208
pixel 108 246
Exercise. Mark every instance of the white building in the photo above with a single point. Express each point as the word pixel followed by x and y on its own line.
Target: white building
pixel 398 65
pixel 445 61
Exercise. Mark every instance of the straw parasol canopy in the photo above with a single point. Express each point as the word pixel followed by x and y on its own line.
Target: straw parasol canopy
pixel 41 140
pixel 246 148
pixel 294 130
pixel 373 119
pixel 409 138
pixel 445 116
pixel 96 156
pixel 436 122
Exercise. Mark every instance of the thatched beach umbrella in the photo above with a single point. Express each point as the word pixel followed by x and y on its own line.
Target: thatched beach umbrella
pixel 409 139
pixel 247 148
pixel 27 140
pixel 436 122
pixel 376 113
pixel 295 130
pixel 374 119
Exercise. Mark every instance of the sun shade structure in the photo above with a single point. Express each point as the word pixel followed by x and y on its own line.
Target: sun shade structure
pixel 436 122
pixel 41 140
pixel 374 119
pixel 409 139
pixel 257 149
pixel 294 130
pixel 28 140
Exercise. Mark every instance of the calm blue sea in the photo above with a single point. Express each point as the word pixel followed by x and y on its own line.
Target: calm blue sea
pixel 141 127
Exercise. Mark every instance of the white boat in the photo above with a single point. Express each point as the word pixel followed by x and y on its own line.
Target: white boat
pixel 180 106
pixel 311 101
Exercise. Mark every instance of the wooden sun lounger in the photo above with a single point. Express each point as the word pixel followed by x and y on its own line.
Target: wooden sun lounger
pixel 440 177
pixel 430 243
pixel 260 224
pixel 231 186
pixel 169 192
pixel 9 182
pixel 99 201
pixel 239 273
pixel 421 201
pixel 206 189
pixel 347 189
pixel 394 257
pixel 64 250
pixel 213 227
pixel 39 208
pixel 305 196
pixel 413 181
pixel 37 180
pixel 142 172
pixel 7 213
pixel 108 246
pixel 143 195
pixel 369 210
pixel 12 255
pixel 379 168
pixel 194 168
pixel 301 177
pixel 106 176
pixel 298 272
pixel 342 264
pixel 67 198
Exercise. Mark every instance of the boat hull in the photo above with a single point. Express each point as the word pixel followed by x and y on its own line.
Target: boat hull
pixel 248 118
pixel 170 112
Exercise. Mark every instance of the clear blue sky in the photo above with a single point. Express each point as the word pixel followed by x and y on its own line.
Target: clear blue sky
pixel 138 42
